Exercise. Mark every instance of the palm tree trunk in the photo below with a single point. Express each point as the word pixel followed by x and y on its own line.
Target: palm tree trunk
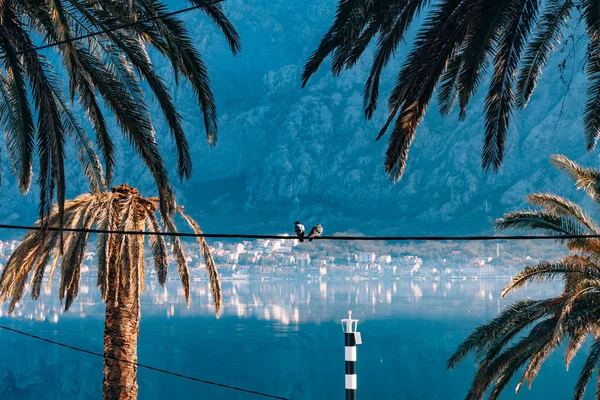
pixel 121 330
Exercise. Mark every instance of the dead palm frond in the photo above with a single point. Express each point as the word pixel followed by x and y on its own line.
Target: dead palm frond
pixel 119 255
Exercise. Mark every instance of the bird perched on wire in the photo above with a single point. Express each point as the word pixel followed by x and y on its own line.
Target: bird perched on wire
pixel 316 231
pixel 299 229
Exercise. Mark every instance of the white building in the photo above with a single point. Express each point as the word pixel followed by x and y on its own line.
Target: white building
pixel 487 270
pixel 218 245
pixel 366 258
pixel 273 246
pixel 238 248
pixel 303 260
pixel 290 241
pixel 288 261
pixel 386 259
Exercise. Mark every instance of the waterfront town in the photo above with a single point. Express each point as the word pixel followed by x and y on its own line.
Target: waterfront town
pixel 287 258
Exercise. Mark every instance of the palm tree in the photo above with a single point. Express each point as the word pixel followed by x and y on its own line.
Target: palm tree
pixel 455 47
pixel 121 269
pixel 527 332
pixel 36 116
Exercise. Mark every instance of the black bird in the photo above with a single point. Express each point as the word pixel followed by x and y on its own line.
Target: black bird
pixel 299 229
pixel 315 232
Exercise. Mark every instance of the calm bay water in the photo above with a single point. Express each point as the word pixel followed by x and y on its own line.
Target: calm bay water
pixel 280 337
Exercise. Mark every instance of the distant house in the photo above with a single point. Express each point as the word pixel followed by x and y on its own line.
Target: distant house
pixel 238 248
pixel 320 262
pixel 218 245
pixel 303 260
pixel 487 270
pixel 349 258
pixel 366 258
pixel 289 241
pixel 456 252
pixel 284 249
pixel 288 260
pixel 272 246
pixel 386 259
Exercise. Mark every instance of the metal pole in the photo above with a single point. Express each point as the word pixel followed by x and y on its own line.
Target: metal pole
pixel 351 339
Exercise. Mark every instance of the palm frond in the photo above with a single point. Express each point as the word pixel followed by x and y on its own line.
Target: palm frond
pixel 586 179
pixel 439 39
pixel 448 91
pixel 177 248
pixel 547 271
pixel 159 249
pixel 501 329
pixel 561 206
pixel 500 98
pixel 545 41
pixel 20 140
pixel 216 14
pixel 211 268
pixel 490 18
pixel 544 221
pixel 386 48
pixel 588 368
pixel 591 120
pixel 575 344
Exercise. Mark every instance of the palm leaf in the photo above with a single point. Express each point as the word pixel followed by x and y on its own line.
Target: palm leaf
pixel 211 267
pixel 500 98
pixel 538 51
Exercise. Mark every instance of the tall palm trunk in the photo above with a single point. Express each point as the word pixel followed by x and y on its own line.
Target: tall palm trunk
pixel 121 330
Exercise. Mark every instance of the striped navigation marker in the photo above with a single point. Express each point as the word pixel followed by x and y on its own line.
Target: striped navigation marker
pixel 351 339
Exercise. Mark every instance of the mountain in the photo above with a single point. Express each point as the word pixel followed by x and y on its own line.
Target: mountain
pixel 287 153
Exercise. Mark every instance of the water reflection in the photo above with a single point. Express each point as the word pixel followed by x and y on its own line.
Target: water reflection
pixel 277 336
pixel 291 301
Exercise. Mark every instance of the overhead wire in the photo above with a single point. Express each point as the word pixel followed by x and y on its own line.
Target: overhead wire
pixel 408 238
pixel 160 370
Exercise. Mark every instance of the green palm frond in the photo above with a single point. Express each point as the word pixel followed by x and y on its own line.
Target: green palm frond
pixel 448 90
pixel 572 317
pixel 500 97
pixel 479 45
pixel 545 41
pixel 107 69
pixel 20 140
pixel 501 329
pixel 387 44
pixel 439 39
pixel 591 120
pixel 511 359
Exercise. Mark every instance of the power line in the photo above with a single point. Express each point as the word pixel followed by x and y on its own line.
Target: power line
pixel 163 371
pixel 338 238
pixel 114 28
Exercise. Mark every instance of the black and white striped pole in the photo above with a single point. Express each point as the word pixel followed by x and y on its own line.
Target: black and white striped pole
pixel 351 339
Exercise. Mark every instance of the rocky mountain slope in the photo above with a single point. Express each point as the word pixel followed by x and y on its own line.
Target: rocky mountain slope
pixel 288 153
